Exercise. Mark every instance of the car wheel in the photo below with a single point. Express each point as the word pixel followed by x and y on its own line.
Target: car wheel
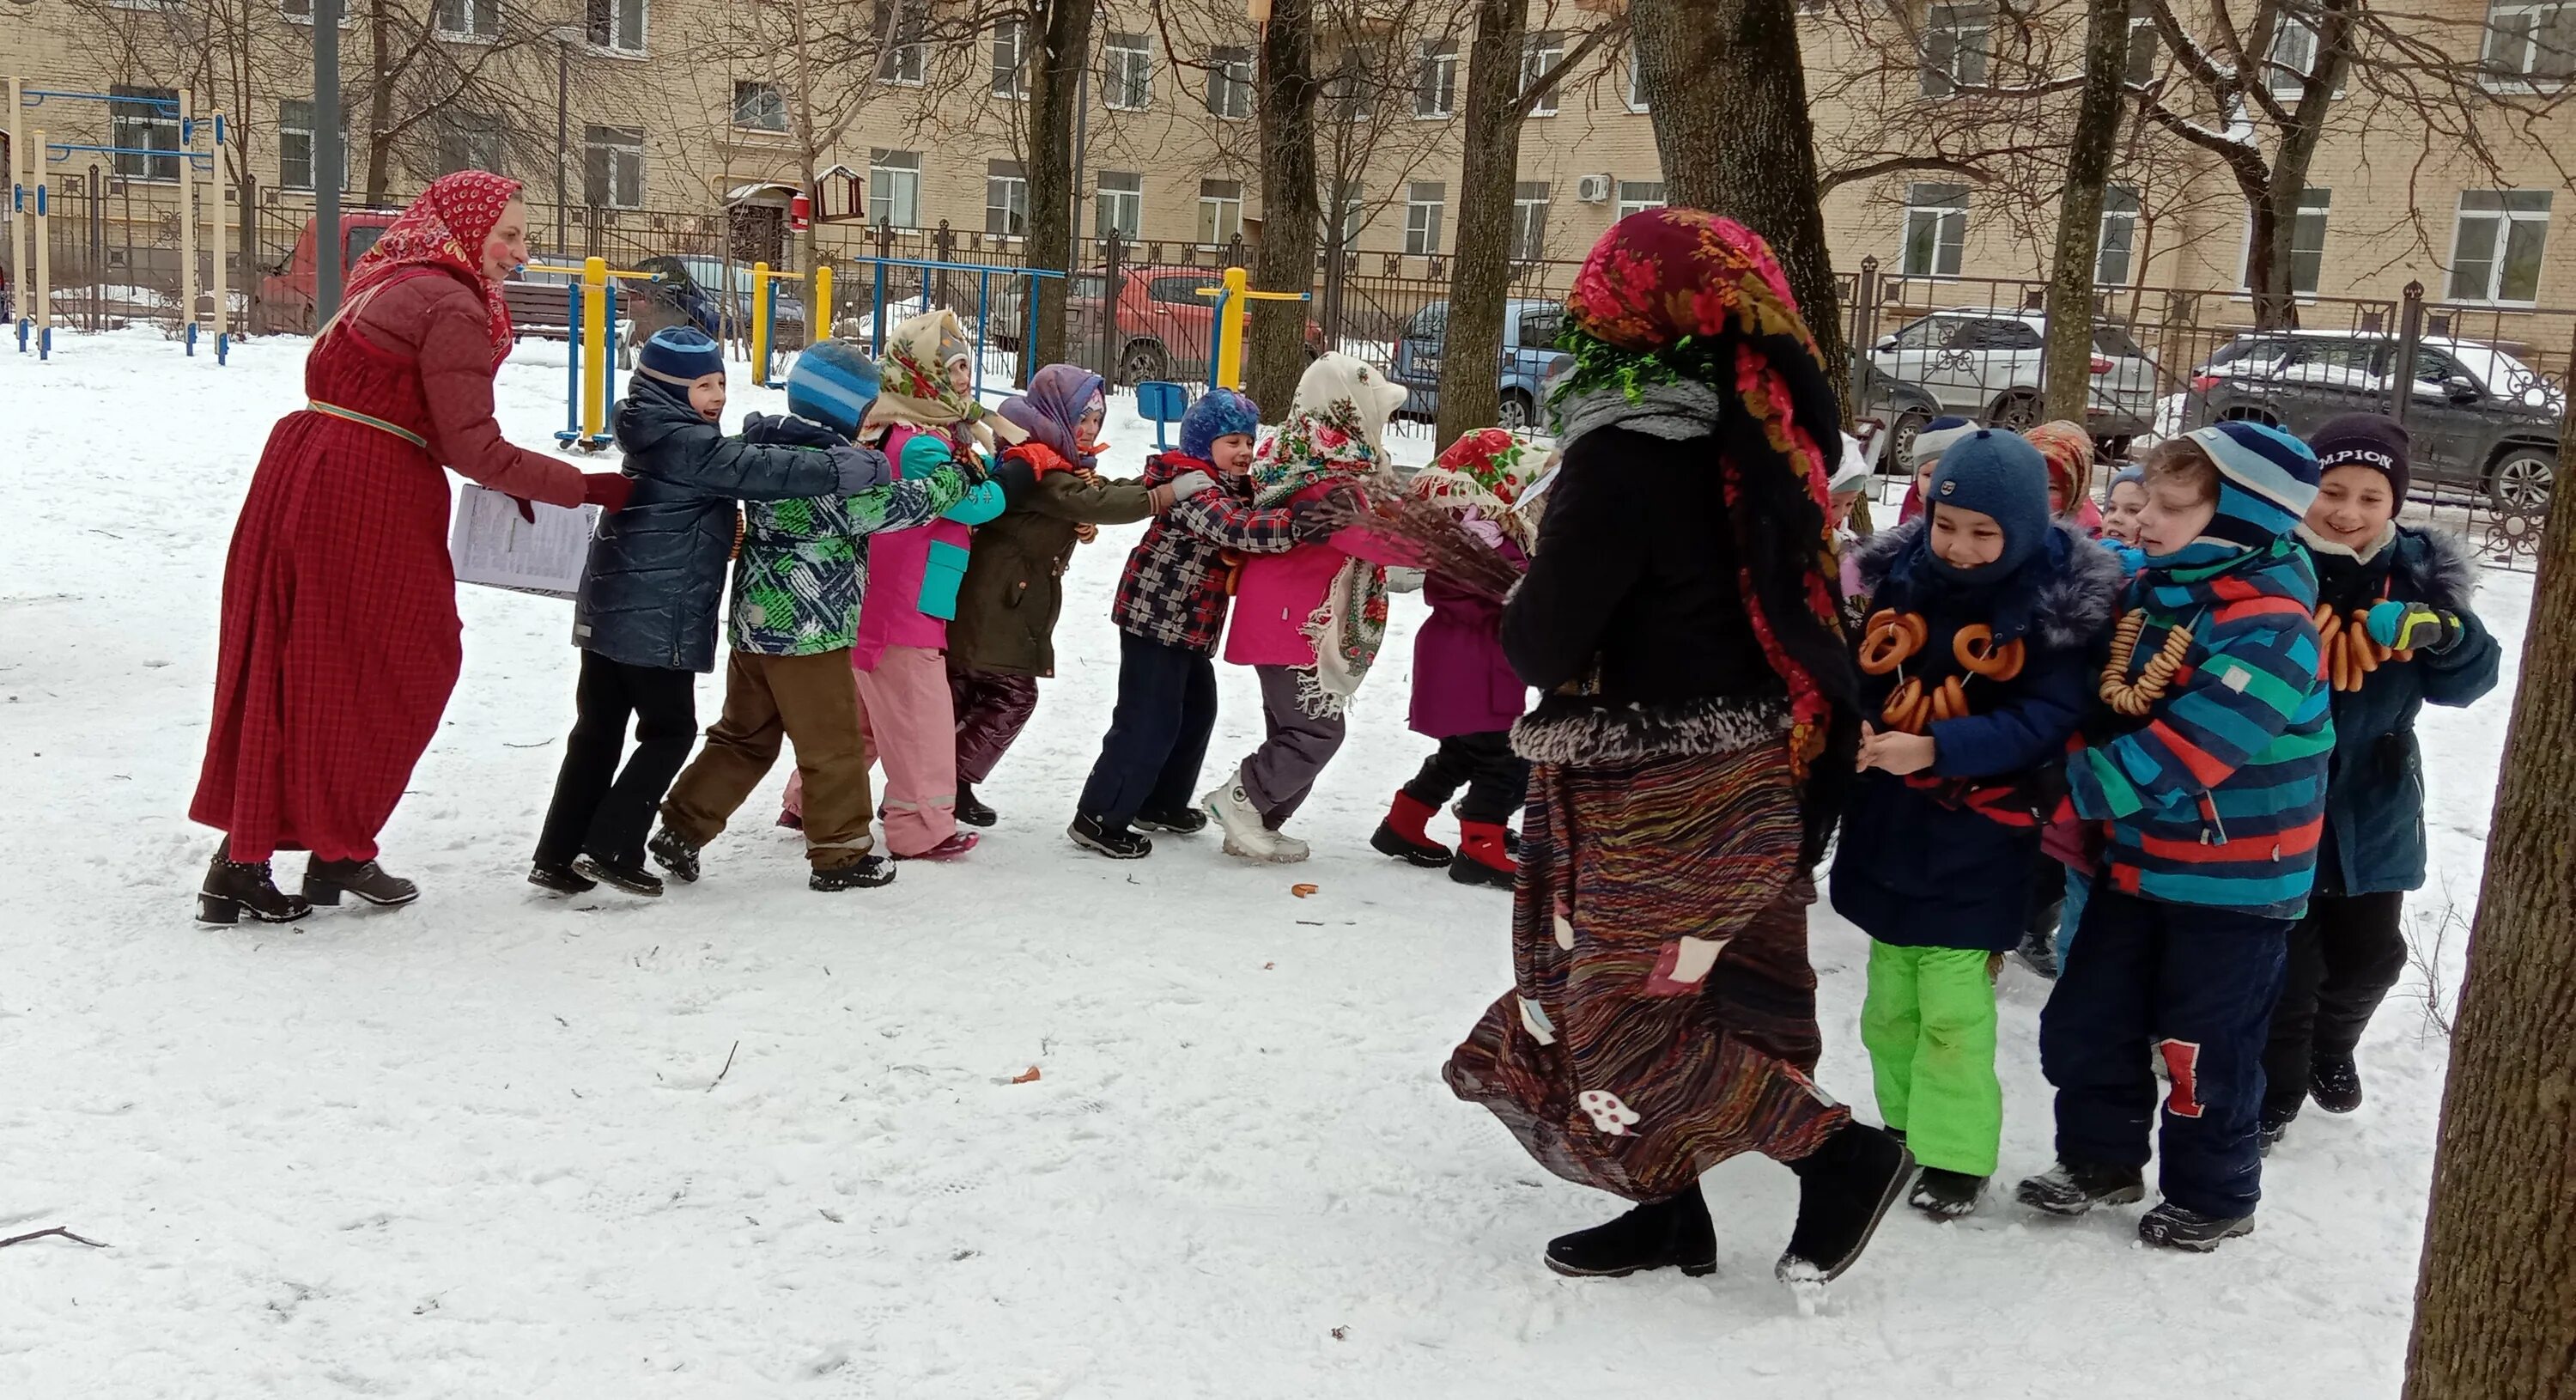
pixel 2118 449
pixel 2017 412
pixel 1515 413
pixel 2519 483
pixel 1143 362
pixel 1900 443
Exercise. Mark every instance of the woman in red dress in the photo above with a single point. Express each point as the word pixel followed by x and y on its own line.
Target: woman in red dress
pixel 340 636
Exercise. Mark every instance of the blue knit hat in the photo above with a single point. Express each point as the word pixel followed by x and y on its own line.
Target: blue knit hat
pixel 832 383
pixel 1996 473
pixel 2267 479
pixel 679 355
pixel 1939 436
pixel 1215 414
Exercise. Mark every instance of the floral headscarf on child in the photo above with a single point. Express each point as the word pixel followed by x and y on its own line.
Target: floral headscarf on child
pixel 1484 471
pixel 914 374
pixel 1331 436
pixel 2068 450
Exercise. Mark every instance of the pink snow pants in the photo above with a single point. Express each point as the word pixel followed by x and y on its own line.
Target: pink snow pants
pixel 909 725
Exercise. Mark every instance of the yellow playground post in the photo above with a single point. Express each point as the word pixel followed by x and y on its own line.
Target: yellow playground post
pixel 1226 371
pixel 594 339
pixel 764 291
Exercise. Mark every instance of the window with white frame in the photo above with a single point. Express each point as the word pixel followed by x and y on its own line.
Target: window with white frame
pixel 149 122
pixel 1936 230
pixel 1128 83
pixel 2307 242
pixel 1229 78
pixel 295 155
pixel 1006 197
pixel 1638 196
pixel 1636 82
pixel 1010 58
pixel 1352 86
pixel 2293 59
pixel 467 19
pixel 907 49
pixel 1122 203
pixel 1529 221
pixel 2114 259
pixel 2495 255
pixel 1220 210
pixel 1424 201
pixel 759 107
pixel 894 188
pixel 1354 213
pixel 1956 39
pixel 616 25
pixel 470 141
pixel 1540 54
pixel 612 167
pixel 1435 79
pixel 2143 38
pixel 2531 41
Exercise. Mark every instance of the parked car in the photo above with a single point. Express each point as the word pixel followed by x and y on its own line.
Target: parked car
pixel 2481 419
pixel 1985 365
pixel 1904 408
pixel 1165 329
pixel 1530 328
pixel 286 292
pixel 693 286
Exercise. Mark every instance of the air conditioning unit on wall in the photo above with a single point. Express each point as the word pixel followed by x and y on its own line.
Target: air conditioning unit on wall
pixel 1593 189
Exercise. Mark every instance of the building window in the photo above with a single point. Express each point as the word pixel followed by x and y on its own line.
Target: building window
pixel 2294 58
pixel 1010 58
pixel 2307 242
pixel 295 11
pixel 1435 79
pixel 617 25
pixel 1636 82
pixel 1638 196
pixel 145 125
pixel 295 154
pixel 2142 44
pixel 1354 214
pixel 1955 43
pixel 894 188
pixel 1230 82
pixel 612 167
pixel 1006 197
pixel 470 141
pixel 2495 256
pixel 1423 200
pixel 1529 221
pixel 1540 54
pixel 1129 83
pixel 906 49
pixel 468 19
pixel 1122 203
pixel 759 107
pixel 2531 41
pixel 2112 262
pixel 1220 210
pixel 1352 85
pixel 1936 229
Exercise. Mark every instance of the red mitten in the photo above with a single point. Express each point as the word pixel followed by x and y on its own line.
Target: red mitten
pixel 606 490
pixel 1040 457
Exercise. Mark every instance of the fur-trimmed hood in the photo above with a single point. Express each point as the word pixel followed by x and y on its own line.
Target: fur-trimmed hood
pixel 2074 582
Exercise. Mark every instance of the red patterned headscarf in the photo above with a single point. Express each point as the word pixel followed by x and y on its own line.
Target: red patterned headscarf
pixel 445 228
pixel 1682 323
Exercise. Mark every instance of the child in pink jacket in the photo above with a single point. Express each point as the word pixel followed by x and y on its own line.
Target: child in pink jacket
pixel 1308 621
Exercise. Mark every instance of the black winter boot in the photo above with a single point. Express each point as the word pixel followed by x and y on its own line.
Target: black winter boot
pixel 1946 1195
pixel 234 888
pixel 970 810
pixel 674 854
pixel 634 879
pixel 562 879
pixel 2072 1188
pixel 2173 1227
pixel 1844 1190
pixel 1187 821
pixel 865 873
pixel 325 880
pixel 2038 952
pixel 2334 1081
pixel 1115 842
pixel 1673 1232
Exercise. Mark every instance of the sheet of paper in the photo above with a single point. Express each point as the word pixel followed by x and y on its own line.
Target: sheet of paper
pixel 493 546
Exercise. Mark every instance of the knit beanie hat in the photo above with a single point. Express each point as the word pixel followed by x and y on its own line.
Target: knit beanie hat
pixel 1996 473
pixel 2133 474
pixel 2364 440
pixel 832 383
pixel 2068 451
pixel 1938 436
pixel 1215 414
pixel 1852 472
pixel 2267 479
pixel 679 355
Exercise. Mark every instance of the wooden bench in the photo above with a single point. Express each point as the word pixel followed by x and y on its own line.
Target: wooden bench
pixel 540 309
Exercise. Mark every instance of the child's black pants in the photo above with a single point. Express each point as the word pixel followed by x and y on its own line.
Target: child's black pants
pixel 1158 735
pixel 2344 956
pixel 1496 779
pixel 599 810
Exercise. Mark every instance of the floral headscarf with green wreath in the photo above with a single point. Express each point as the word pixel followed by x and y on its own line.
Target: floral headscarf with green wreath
pixel 1331 437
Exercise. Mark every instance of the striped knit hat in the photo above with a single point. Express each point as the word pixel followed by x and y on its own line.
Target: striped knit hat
pixel 2266 481
pixel 832 383
pixel 680 355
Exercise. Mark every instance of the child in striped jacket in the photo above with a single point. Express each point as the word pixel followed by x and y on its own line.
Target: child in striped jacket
pixel 2208 775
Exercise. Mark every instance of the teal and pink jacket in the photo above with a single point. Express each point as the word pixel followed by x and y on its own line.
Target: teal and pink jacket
pixel 913 575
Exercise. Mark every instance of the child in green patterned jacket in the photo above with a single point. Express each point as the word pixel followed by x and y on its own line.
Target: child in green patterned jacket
pixel 793 616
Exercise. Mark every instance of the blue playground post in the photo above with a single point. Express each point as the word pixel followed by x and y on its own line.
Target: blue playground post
pixel 572 372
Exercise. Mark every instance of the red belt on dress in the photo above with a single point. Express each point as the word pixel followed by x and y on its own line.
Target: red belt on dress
pixel 333 410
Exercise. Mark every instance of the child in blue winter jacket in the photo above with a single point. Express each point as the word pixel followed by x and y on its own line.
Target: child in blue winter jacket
pixel 1979 661
pixel 2206 770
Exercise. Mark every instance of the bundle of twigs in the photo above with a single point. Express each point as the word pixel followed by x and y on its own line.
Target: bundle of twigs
pixel 1432 535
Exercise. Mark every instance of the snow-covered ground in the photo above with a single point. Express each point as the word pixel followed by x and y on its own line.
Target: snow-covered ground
pixel 750 1140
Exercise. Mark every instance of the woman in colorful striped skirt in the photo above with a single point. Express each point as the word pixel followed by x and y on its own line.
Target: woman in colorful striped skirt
pixel 340 639
pixel 1680 611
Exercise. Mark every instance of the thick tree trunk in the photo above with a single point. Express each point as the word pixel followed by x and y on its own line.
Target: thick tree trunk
pixel 2495 1299
pixel 1730 110
pixel 2066 365
pixel 1063 30
pixel 2270 272
pixel 1275 350
pixel 380 105
pixel 1471 345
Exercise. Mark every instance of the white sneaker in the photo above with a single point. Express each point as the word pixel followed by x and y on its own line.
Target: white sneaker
pixel 1245 836
pixel 1287 849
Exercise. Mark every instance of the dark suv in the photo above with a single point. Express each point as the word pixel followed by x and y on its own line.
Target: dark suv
pixel 2480 419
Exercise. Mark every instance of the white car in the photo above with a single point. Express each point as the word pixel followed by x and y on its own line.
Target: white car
pixel 1985 365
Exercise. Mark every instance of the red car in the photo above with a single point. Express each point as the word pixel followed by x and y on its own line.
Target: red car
pixel 1164 328
pixel 286 291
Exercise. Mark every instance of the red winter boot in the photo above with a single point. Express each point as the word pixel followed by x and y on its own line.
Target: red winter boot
pixel 1401 834
pixel 1483 858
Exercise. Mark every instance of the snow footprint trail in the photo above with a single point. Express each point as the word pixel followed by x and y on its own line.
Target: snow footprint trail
pixel 471 1147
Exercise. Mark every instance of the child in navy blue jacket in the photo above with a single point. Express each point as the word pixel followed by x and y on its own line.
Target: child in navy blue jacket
pixel 1990 623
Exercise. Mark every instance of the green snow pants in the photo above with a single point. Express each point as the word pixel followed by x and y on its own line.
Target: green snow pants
pixel 1929 1023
